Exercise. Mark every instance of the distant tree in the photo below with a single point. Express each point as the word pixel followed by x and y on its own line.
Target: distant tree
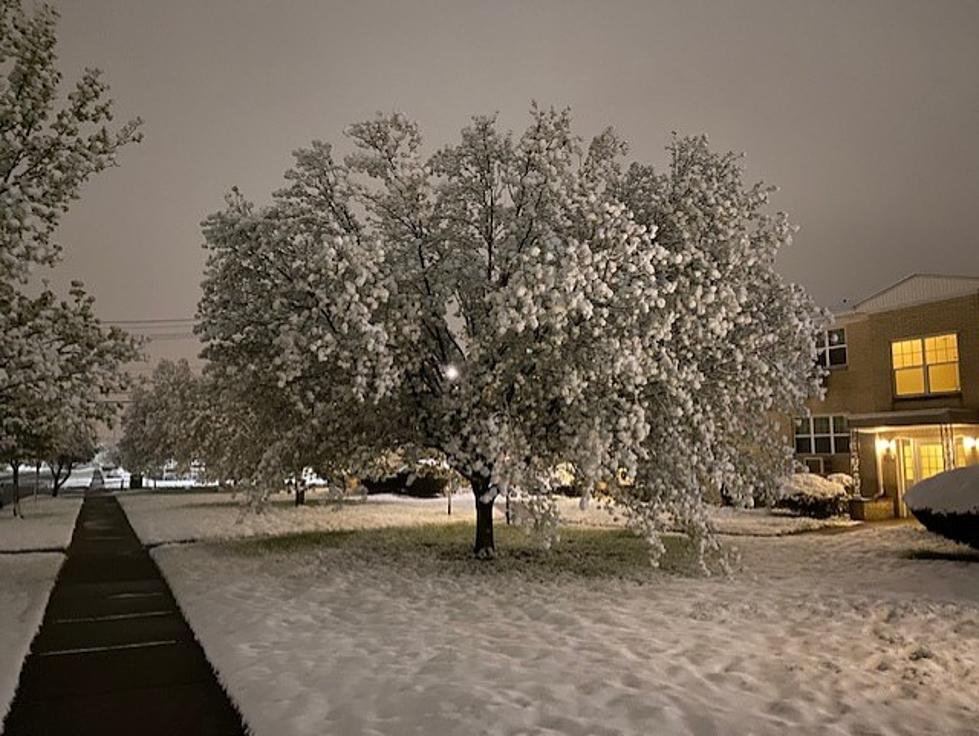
pixel 73 444
pixel 514 304
pixel 60 366
pixel 158 421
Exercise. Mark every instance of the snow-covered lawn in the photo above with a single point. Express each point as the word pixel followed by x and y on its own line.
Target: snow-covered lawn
pixel 873 631
pixel 25 582
pixel 178 516
pixel 47 523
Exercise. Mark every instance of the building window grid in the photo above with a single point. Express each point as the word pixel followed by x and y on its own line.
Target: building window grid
pixel 926 365
pixel 822 435
pixel 932 460
pixel 831 348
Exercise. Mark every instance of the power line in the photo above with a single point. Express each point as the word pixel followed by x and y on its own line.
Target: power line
pixel 147 321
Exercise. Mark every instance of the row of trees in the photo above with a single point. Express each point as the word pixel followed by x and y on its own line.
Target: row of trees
pixel 58 365
pixel 508 304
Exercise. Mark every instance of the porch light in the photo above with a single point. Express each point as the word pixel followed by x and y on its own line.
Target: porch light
pixel 886 446
pixel 451 372
pixel 969 443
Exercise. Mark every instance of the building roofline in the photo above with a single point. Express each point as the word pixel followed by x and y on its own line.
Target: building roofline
pixel 854 309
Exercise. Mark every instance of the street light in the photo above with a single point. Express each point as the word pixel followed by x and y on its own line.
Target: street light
pixel 451 372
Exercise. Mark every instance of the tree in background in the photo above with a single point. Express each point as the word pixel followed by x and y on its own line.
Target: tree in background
pixel 55 357
pixel 512 304
pixel 157 423
pixel 73 444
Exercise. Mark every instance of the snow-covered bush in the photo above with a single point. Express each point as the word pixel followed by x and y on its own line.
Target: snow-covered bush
pixel 948 504
pixel 809 494
pixel 512 303
pixel 844 479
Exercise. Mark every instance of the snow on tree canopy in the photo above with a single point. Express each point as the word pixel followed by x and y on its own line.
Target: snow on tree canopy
pixel 511 304
pixel 952 492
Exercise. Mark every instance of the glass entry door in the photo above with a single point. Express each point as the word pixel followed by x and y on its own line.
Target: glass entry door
pixel 917 460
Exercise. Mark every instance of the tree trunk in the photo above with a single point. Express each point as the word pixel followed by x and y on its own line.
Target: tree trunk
pixel 484 548
pixel 509 513
pixel 16 503
pixel 37 478
pixel 449 497
pixel 54 478
pixel 300 496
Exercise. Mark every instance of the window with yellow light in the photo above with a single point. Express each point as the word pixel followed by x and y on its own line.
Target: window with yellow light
pixel 926 365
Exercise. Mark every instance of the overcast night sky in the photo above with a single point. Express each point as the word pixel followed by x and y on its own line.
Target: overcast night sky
pixel 864 113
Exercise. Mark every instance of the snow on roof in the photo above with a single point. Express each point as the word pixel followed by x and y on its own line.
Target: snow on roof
pixel 952 492
pixel 917 288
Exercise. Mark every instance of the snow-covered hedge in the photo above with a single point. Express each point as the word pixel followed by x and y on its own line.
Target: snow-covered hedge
pixel 844 479
pixel 948 504
pixel 812 495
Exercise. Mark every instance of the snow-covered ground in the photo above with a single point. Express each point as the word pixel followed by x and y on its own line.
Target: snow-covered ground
pixel 173 516
pixel 25 583
pixel 47 523
pixel 830 634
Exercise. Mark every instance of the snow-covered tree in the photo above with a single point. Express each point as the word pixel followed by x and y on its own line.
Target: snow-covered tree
pixel 72 443
pixel 511 305
pixel 158 421
pixel 58 366
pixel 50 142
pixel 56 360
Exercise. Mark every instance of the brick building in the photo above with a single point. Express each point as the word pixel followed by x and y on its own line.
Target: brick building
pixel 902 394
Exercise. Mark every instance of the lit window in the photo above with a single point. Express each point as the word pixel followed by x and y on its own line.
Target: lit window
pixel 822 435
pixel 932 460
pixel 831 348
pixel 926 365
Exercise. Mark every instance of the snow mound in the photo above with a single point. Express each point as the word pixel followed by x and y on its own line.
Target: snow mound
pixel 844 479
pixel 952 492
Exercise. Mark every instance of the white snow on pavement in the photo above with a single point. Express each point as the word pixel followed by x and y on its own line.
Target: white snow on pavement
pixel 830 634
pixel 25 583
pixel 47 523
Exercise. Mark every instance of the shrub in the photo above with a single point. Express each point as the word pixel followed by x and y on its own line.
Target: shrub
pixel 948 504
pixel 812 495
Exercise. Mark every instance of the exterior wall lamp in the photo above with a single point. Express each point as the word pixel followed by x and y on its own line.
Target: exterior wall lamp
pixel 885 447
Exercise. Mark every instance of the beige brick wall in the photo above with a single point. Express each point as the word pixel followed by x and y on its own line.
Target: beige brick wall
pixel 865 384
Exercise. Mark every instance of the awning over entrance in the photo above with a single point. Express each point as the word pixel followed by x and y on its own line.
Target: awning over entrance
pixel 908 417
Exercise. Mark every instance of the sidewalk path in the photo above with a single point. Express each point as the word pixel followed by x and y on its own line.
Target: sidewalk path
pixel 114 655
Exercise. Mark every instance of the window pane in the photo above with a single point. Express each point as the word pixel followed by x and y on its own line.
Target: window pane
pixel 803 445
pixel 821 340
pixel 837 356
pixel 839 424
pixel 941 349
pixel 802 426
pixel 931 459
pixel 837 337
pixel 820 425
pixel 943 377
pixel 906 353
pixel 909 381
pixel 823 445
pixel 841 444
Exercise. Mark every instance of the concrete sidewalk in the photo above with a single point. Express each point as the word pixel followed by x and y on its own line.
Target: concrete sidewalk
pixel 114 654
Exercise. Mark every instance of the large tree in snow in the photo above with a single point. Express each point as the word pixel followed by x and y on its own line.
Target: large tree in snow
pixel 56 359
pixel 514 303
